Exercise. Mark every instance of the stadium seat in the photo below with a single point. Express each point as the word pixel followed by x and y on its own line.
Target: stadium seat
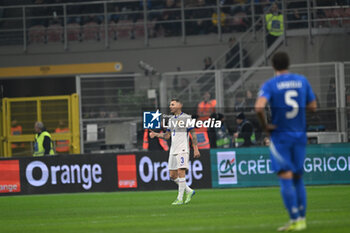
pixel 339 13
pixel 54 33
pixel 124 29
pixel 73 32
pixel 91 31
pixel 346 22
pixel 238 22
pixel 139 29
pixel 37 34
pixel 112 31
pixel 330 16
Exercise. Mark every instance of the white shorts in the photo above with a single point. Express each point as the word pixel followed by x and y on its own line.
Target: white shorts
pixel 177 161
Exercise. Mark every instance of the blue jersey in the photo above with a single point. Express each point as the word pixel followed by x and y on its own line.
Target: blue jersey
pixel 288 94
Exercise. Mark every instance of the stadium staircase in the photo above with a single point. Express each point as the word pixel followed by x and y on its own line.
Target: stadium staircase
pixel 250 49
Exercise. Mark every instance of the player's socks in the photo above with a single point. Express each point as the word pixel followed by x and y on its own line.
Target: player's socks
pixel 301 195
pixel 289 198
pixel 182 187
pixel 176 180
pixel 188 189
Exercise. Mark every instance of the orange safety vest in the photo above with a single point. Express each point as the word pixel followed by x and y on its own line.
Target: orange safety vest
pixel 16 131
pixel 205 109
pixel 163 143
pixel 202 138
pixel 62 145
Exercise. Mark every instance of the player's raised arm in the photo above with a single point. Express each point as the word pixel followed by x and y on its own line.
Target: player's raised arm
pixel 165 135
pixel 195 143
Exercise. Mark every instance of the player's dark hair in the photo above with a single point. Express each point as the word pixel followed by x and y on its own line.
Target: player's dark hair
pixel 280 61
pixel 176 100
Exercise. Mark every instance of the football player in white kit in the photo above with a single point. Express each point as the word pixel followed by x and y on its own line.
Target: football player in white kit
pixel 178 130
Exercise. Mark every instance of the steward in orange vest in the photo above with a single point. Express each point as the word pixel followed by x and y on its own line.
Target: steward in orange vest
pixel 153 144
pixel 206 107
pixel 16 129
pixel 202 138
pixel 62 146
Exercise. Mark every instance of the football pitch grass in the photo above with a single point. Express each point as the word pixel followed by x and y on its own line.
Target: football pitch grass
pixel 255 210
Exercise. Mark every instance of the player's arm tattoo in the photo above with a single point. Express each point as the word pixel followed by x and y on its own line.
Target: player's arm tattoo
pixel 194 138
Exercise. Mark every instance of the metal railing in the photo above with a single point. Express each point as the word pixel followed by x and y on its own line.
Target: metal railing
pixel 108 101
pixel 109 20
pixel 251 49
pixel 327 79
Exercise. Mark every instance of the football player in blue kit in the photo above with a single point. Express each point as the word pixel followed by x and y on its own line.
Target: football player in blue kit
pixel 289 96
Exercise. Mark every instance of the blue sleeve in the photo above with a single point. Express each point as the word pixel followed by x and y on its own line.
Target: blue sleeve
pixel 265 91
pixel 310 96
pixel 189 129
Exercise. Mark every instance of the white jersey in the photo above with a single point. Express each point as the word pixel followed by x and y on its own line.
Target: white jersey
pixel 179 134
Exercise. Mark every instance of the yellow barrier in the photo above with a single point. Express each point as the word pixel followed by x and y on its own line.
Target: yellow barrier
pixel 26 111
pixel 35 71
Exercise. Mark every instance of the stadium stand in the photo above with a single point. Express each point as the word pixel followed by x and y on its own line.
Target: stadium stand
pixel 49 22
pixel 200 16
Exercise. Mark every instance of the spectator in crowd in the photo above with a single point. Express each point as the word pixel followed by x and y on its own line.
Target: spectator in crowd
pixel 232 56
pixel 54 12
pixel 239 10
pixel 62 146
pixel 274 24
pixel 199 23
pixel 215 19
pixel 245 135
pixel 207 79
pixel 39 12
pixel 249 101
pixel 115 16
pixel 94 13
pixel 327 2
pixel 206 107
pixel 240 103
pixel 208 64
pixel 74 10
pixel 223 139
pixel 169 14
pixel 331 94
pixel 297 12
pixel 42 143
pixel 180 86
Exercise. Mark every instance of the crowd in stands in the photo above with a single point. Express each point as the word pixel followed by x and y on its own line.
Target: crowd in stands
pixel 125 19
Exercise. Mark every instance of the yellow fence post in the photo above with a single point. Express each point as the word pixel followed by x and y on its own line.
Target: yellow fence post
pixel 8 129
pixel 4 131
pixel 75 124
pixel 71 109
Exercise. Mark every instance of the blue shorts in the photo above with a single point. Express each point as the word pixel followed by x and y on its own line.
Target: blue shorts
pixel 288 154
